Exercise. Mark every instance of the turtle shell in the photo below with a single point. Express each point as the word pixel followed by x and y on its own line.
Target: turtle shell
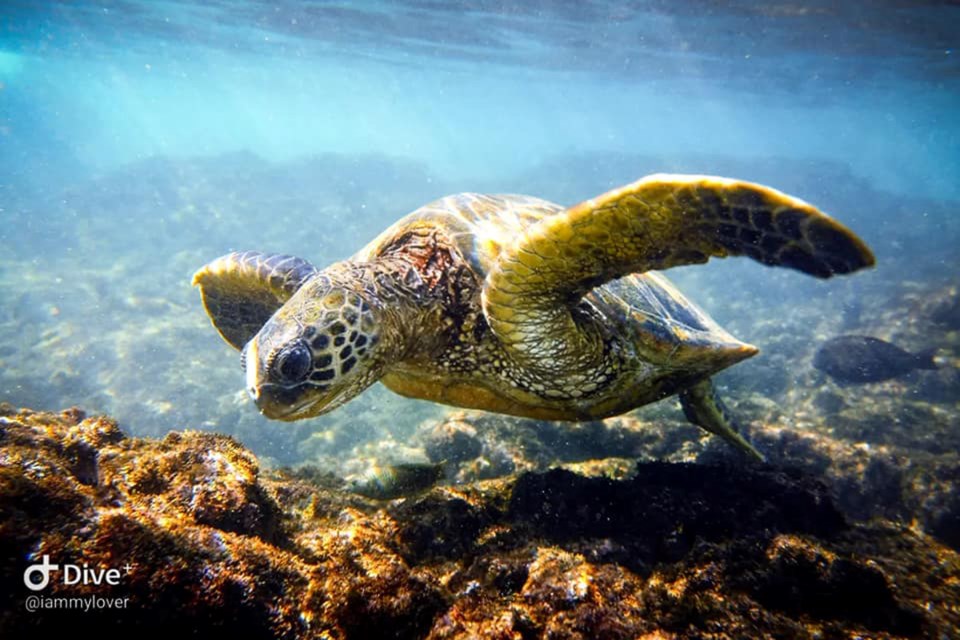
pixel 648 307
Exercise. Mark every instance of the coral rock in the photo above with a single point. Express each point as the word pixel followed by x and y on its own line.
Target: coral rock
pixel 211 545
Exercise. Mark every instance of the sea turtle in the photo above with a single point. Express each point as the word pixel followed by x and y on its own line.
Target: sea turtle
pixel 516 305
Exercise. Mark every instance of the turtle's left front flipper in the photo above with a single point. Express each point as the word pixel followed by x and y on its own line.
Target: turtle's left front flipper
pixel 655 223
pixel 704 408
pixel 241 290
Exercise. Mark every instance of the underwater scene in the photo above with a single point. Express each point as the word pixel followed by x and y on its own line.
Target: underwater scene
pixel 492 319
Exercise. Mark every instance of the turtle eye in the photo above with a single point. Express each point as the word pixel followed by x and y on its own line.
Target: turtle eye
pixel 293 364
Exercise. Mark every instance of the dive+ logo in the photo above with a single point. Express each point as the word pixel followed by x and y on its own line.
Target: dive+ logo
pixel 36 577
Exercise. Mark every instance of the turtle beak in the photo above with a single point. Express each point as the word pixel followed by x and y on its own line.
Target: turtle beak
pixel 288 403
pixel 281 403
pixel 264 394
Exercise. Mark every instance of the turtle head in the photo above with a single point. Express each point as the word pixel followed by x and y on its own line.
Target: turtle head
pixel 319 350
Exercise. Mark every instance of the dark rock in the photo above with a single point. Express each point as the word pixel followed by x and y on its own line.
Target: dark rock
pixel 437 527
pixel 829 402
pixel 871 481
pixel 941 386
pixel 800 577
pixel 453 441
pixel 717 503
pixel 391 606
pixel 941 509
pixel 944 308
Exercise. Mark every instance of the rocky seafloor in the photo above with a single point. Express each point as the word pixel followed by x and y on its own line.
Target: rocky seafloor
pixel 214 545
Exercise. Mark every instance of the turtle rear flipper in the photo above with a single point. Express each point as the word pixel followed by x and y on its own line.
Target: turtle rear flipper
pixel 242 290
pixel 704 408
pixel 655 223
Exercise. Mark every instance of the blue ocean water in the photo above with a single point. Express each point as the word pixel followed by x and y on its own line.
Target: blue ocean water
pixel 485 89
pixel 139 140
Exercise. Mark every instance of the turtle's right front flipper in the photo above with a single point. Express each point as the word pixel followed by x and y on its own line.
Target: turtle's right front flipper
pixel 242 290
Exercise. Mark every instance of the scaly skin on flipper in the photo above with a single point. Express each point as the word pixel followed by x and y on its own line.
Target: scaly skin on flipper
pixel 658 222
pixel 241 290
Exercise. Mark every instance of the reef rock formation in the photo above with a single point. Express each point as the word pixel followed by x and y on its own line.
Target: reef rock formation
pixel 205 542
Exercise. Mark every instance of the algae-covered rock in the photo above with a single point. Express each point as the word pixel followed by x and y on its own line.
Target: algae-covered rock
pixel 209 544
